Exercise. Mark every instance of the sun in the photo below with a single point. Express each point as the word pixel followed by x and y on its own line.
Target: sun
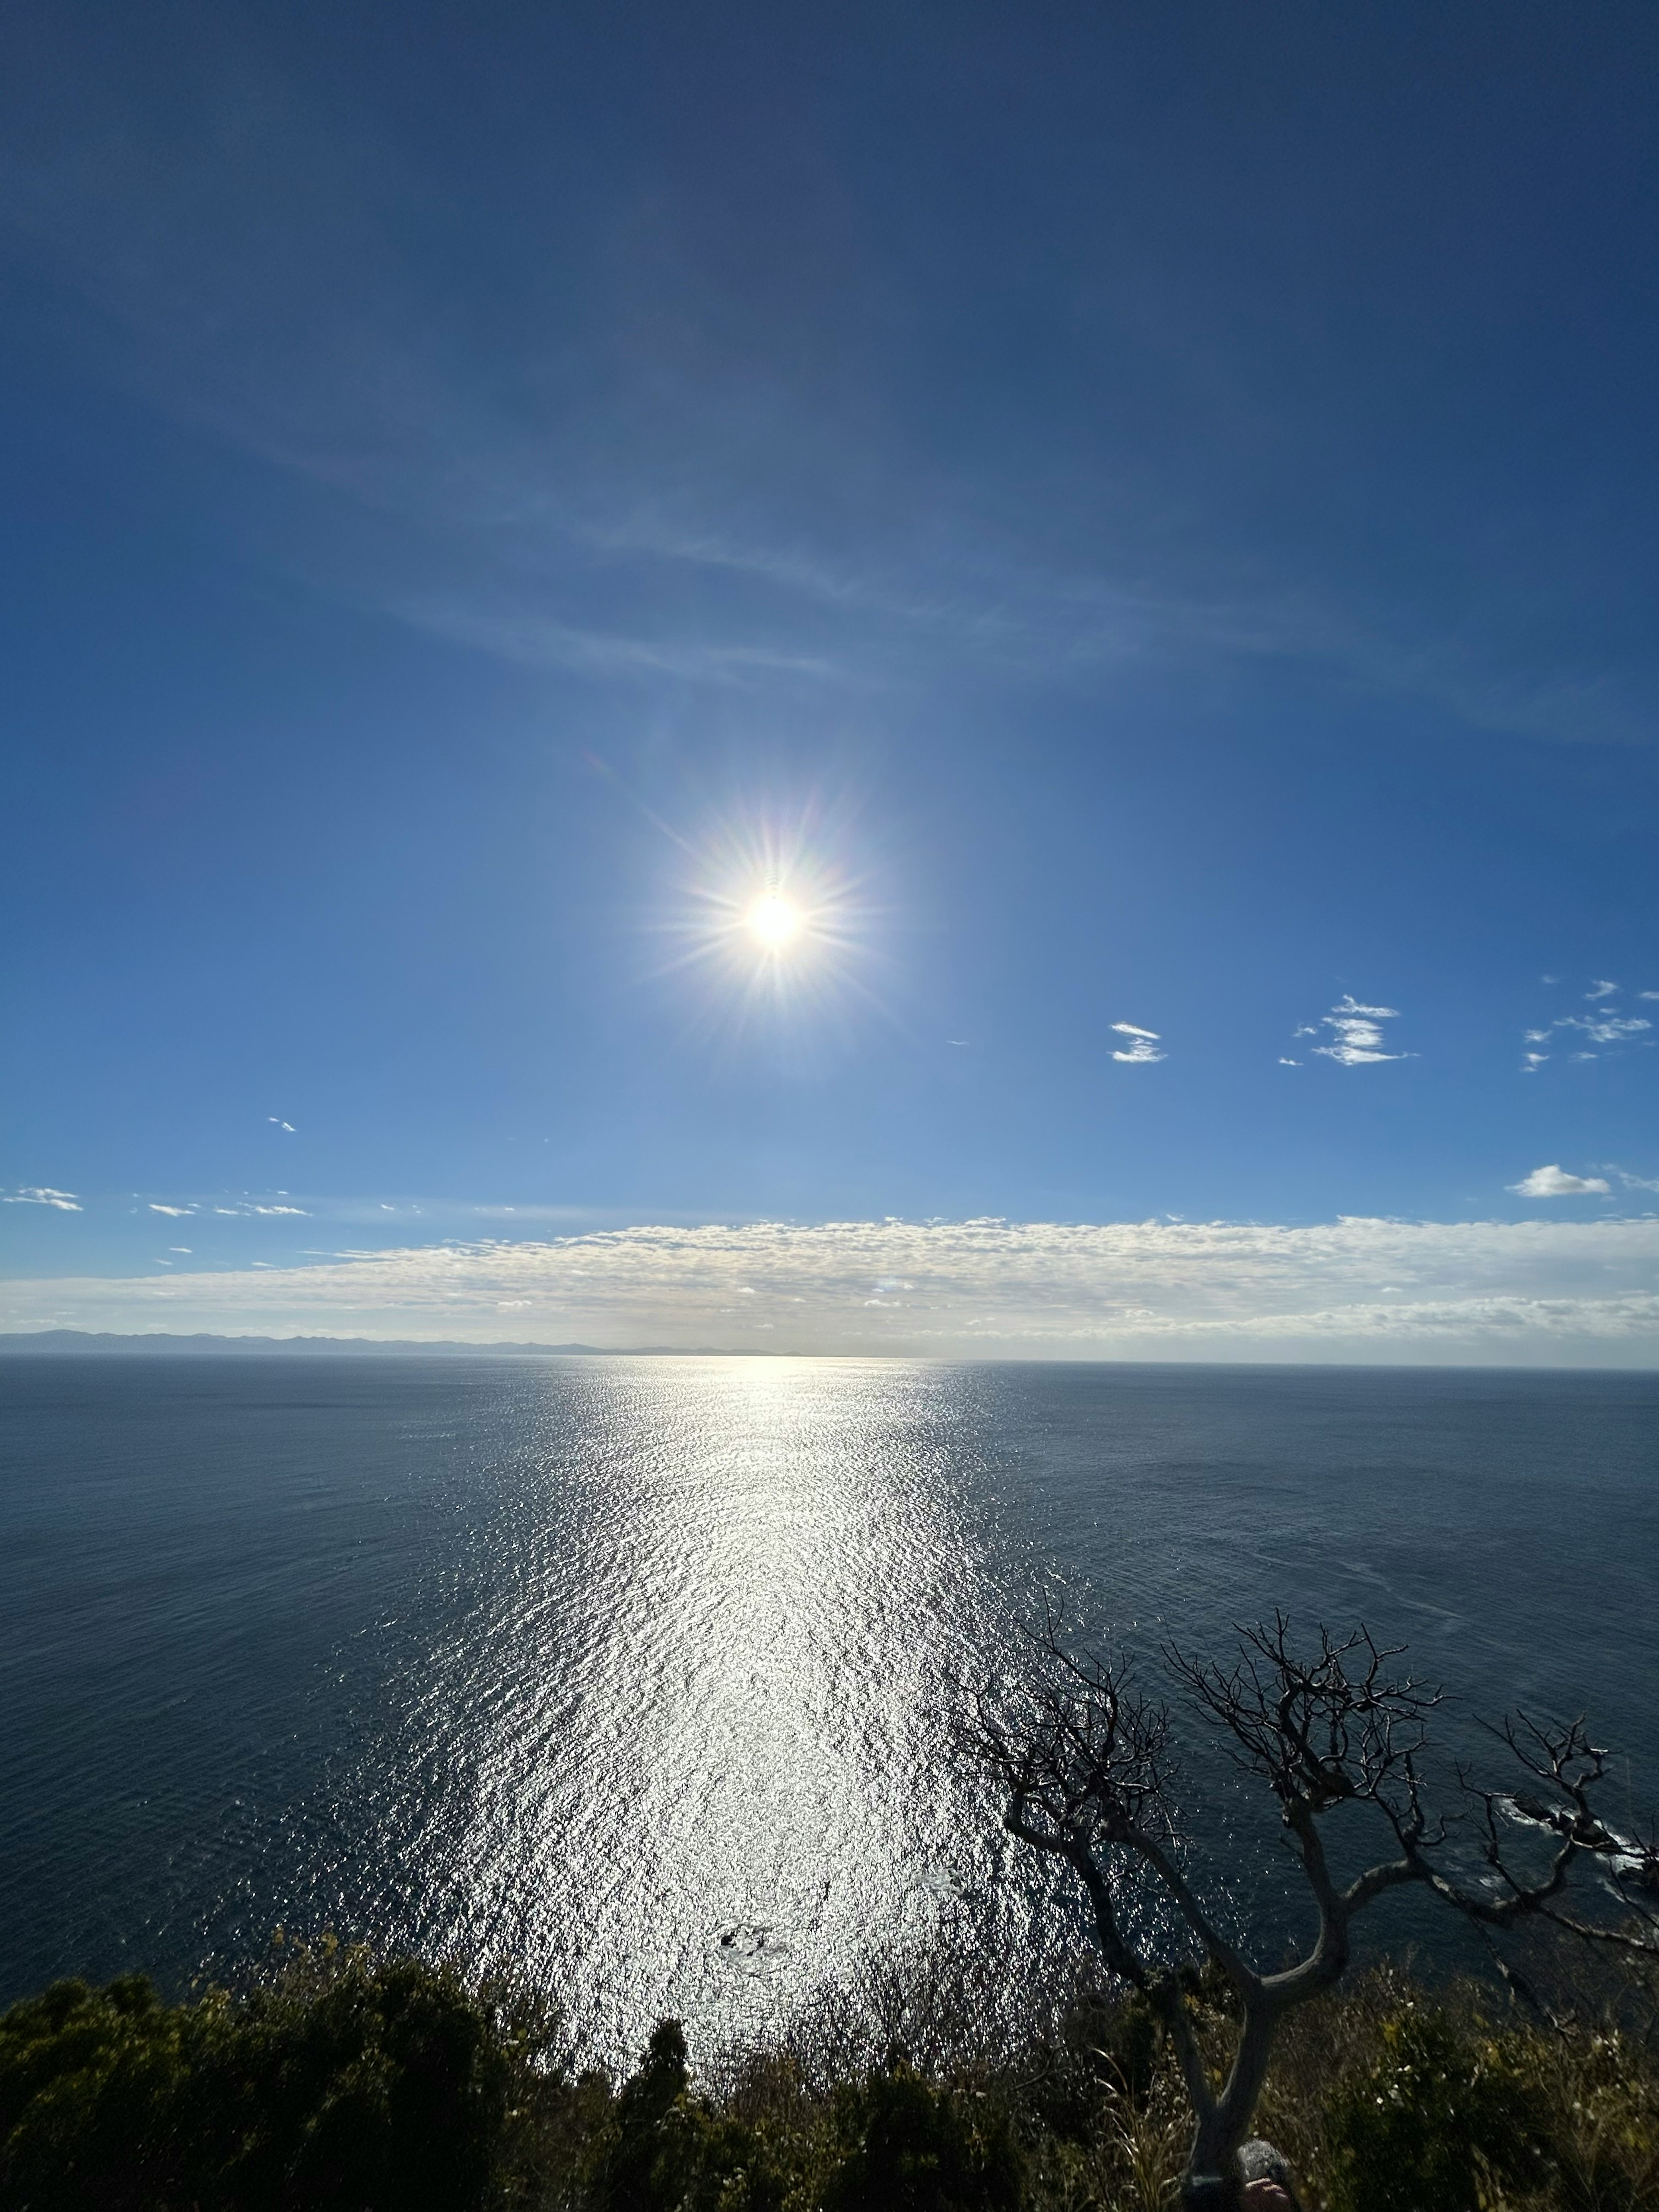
pixel 774 920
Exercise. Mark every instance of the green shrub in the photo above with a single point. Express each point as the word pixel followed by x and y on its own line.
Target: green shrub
pixel 661 2149
pixel 1597 2098
pixel 93 2087
pixel 354 2087
pixel 1424 2127
pixel 1105 2053
pixel 905 2144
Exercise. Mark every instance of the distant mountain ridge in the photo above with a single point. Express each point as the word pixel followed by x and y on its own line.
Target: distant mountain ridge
pixel 83 1341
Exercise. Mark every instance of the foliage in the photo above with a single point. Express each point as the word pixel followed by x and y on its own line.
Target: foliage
pixel 1437 2116
pixel 1595 2095
pixel 901 2144
pixel 341 2083
pixel 661 2149
pixel 1102 2050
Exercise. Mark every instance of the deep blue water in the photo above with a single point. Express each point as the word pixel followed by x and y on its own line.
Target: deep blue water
pixel 631 1671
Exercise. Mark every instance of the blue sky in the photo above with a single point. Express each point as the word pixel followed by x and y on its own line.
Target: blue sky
pixel 1134 516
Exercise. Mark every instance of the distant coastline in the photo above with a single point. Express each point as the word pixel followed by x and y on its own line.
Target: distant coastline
pixel 81 1342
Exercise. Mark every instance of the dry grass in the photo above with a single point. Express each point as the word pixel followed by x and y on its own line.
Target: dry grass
pixel 1104 2132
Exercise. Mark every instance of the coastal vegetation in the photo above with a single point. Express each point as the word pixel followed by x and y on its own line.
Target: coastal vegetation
pixel 339 2083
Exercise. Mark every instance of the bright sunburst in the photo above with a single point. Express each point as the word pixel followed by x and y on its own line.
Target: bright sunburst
pixel 775 920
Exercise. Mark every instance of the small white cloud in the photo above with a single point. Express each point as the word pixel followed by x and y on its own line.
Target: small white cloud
pixel 511 1305
pixel 1532 1061
pixel 1648 994
pixel 65 1202
pixel 1359 1039
pixel 1600 990
pixel 1555 1183
pixel 184 1249
pixel 1142 1050
pixel 276 1121
pixel 174 1213
pixel 1284 1062
pixel 274 1209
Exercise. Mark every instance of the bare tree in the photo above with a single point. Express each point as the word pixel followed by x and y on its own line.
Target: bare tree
pixel 1088 1764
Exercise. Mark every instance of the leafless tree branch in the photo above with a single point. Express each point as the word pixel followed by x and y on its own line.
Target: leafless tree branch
pixel 1087 1762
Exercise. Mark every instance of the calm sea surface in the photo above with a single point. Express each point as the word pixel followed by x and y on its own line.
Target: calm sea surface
pixel 631 1671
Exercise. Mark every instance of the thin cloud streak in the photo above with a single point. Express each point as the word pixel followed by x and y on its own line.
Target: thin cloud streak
pixel 1533 1291
pixel 1142 1046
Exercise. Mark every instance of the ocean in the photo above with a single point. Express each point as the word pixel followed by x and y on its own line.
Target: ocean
pixel 638 1675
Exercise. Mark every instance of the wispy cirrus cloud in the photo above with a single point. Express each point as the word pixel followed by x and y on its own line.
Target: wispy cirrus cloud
pixel 1356 1287
pixel 568 529
pixel 1143 1045
pixel 1632 1181
pixel 64 1201
pixel 1602 1027
pixel 246 1209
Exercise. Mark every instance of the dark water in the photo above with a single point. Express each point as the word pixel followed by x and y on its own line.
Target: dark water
pixel 630 1671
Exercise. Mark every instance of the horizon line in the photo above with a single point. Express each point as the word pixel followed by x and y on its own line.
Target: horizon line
pixel 72 1342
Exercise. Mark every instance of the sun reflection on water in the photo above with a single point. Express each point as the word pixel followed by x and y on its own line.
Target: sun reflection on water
pixel 702 1762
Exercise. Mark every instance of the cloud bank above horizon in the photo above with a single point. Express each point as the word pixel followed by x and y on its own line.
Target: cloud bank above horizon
pixel 1530 1293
